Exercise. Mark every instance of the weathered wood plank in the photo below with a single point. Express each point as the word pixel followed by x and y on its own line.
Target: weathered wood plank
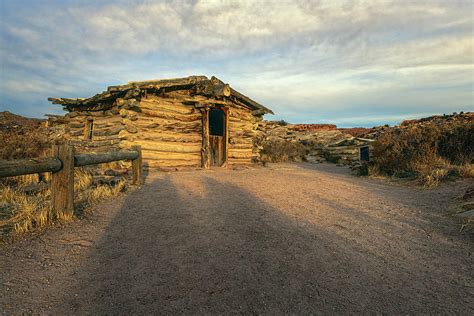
pixel 137 166
pixel 62 183
pixel 205 150
pixel 93 159
pixel 11 168
pixel 159 155
pixel 176 147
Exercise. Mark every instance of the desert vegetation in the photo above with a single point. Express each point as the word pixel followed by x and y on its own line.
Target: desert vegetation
pixel 25 200
pixel 431 150
pixel 22 137
pixel 282 151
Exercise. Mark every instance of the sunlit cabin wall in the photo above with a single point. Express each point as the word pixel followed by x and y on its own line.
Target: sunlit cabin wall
pixel 168 131
pixel 167 126
pixel 242 131
pixel 106 126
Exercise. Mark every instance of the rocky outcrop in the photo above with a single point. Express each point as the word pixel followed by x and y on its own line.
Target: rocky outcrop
pixel 322 142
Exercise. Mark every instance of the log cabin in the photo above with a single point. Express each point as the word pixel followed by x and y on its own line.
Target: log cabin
pixel 184 122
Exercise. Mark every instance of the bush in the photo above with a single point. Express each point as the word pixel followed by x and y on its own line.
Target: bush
pixel 22 211
pixel 330 157
pixel 431 150
pixel 282 151
pixel 282 123
pixel 457 145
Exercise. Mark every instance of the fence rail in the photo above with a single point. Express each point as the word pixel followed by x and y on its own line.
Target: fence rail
pixel 94 159
pixel 20 167
pixel 62 164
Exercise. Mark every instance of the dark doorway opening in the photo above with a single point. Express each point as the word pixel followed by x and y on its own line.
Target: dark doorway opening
pixel 216 122
pixel 217 136
pixel 364 153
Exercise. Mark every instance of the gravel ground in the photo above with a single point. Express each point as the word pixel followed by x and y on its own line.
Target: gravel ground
pixel 296 238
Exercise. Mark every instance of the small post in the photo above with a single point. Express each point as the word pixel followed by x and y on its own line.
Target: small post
pixel 137 166
pixel 206 147
pixel 62 183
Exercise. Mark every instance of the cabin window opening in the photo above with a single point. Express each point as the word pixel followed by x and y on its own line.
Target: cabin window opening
pixel 216 122
pixel 364 153
pixel 89 129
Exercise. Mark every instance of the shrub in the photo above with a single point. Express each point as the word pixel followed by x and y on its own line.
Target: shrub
pixel 457 145
pixel 466 170
pixel 282 123
pixel 431 149
pixel 282 151
pixel 330 157
pixel 24 142
pixel 22 211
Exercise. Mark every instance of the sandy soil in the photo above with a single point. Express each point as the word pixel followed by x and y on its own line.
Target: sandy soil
pixel 285 239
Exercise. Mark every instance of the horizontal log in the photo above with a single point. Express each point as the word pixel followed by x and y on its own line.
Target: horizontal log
pixel 212 88
pixel 242 155
pixel 89 143
pixel 170 116
pixel 167 124
pixel 171 107
pixel 97 120
pixel 233 161
pixel 93 159
pixel 241 133
pixel 108 131
pixel 247 162
pixel 76 132
pixel 243 125
pixel 97 149
pixel 176 147
pixel 75 125
pixel 160 155
pixel 11 168
pixel 163 136
pixel 241 140
pixel 170 163
pixel 240 119
pixel 106 138
pixel 240 150
pixel 240 146
pixel 344 152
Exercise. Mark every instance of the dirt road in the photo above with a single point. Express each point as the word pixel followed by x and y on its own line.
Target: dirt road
pixel 285 239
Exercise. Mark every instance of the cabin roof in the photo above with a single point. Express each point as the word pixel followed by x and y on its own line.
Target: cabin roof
pixel 198 84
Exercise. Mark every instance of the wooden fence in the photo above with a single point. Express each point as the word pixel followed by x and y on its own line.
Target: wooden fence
pixel 62 164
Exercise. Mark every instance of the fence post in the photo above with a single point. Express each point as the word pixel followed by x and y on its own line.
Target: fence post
pixel 62 183
pixel 137 166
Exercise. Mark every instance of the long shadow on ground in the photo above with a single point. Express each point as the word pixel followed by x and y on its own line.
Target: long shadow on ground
pixel 210 246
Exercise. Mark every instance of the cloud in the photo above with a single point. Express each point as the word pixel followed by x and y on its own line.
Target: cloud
pixel 301 58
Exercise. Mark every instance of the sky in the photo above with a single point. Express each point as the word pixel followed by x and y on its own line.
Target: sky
pixel 350 63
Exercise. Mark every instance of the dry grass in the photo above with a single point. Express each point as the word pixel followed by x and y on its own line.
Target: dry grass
pixel 20 212
pixel 466 170
pixel 23 211
pixel 22 137
pixel 431 150
pixel 282 151
pixel 25 200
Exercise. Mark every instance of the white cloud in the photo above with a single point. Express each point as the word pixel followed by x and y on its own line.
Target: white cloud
pixel 294 56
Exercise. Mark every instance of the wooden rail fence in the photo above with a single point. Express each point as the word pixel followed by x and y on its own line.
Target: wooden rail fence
pixel 62 164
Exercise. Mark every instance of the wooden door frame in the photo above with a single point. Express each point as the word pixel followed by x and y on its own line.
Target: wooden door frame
pixel 206 147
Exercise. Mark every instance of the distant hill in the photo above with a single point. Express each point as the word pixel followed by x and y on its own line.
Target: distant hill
pixel 9 120
pixel 22 137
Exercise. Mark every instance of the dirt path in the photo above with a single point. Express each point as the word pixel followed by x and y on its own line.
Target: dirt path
pixel 284 239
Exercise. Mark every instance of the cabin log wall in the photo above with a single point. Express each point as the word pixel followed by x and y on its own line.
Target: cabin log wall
pixel 168 127
pixel 168 131
pixel 242 130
